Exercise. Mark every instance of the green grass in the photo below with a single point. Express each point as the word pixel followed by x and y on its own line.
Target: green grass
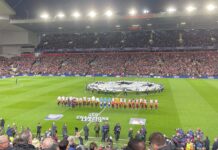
pixel 185 103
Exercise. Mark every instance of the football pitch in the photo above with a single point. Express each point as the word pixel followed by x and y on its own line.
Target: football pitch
pixel 185 103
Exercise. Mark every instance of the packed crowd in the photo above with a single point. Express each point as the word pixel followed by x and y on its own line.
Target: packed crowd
pixel 196 64
pixel 13 139
pixel 129 39
pixel 107 102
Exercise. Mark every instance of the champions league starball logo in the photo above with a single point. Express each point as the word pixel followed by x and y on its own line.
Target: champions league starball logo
pixel 92 117
pixel 125 86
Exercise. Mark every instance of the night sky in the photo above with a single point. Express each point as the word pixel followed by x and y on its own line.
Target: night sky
pixel 32 8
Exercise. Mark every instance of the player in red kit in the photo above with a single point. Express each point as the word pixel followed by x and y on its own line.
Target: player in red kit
pixel 151 104
pixel 137 104
pixel 145 104
pixel 129 104
pixel 133 104
pixel 156 104
pixel 113 103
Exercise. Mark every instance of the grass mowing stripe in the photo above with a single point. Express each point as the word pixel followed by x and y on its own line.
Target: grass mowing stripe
pixel 34 93
pixel 193 109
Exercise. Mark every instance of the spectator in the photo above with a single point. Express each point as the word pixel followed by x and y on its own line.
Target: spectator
pixel 93 146
pixel 63 144
pixel 26 136
pixel 71 145
pixel 207 143
pixel 215 144
pixel 4 143
pixel 158 142
pixel 49 144
pixel 135 144
pixel 20 144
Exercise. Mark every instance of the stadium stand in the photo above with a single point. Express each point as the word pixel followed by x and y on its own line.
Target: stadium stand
pixel 131 39
pixel 199 64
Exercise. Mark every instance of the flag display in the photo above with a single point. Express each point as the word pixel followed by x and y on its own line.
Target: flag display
pixel 54 117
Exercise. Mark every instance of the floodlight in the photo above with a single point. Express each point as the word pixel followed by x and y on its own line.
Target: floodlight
pixel 210 7
pixel 76 14
pixel 145 11
pixel 132 12
pixel 92 14
pixel 190 8
pixel 171 10
pixel 109 13
pixel 60 15
pixel 45 16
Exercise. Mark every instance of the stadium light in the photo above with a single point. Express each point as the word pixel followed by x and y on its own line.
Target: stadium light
pixel 45 16
pixel 76 14
pixel 132 12
pixel 210 7
pixel 145 11
pixel 109 13
pixel 171 10
pixel 60 15
pixel 92 14
pixel 190 8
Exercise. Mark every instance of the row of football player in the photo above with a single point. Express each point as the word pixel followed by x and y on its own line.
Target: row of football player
pixel 118 103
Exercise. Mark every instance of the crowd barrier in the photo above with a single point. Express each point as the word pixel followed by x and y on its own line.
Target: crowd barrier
pixel 105 75
pixel 148 49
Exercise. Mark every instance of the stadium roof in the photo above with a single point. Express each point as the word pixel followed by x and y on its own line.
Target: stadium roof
pixel 28 12
pixel 31 8
pixel 102 25
pixel 5 10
